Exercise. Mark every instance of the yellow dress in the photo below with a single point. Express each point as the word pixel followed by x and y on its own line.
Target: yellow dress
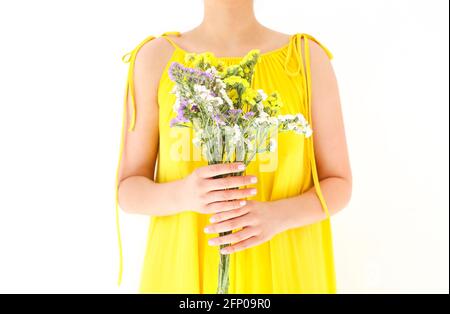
pixel 178 258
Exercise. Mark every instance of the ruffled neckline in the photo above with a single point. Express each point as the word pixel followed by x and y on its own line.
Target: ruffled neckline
pixel 266 54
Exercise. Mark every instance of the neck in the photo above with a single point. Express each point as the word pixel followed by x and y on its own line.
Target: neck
pixel 229 20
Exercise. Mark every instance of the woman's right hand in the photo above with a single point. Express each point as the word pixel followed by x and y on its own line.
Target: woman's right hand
pixel 208 195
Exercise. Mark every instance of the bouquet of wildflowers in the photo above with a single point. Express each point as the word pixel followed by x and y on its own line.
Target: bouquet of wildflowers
pixel 232 121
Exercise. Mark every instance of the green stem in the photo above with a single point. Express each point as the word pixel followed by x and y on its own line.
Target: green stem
pixel 224 259
pixel 224 265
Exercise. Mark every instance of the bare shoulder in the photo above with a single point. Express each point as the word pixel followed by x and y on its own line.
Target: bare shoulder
pixel 317 52
pixel 320 63
pixel 152 57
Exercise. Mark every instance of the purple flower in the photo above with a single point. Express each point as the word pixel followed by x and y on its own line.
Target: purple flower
pixel 173 122
pixel 235 112
pixel 249 114
pixel 177 120
pixel 180 114
pixel 177 72
pixel 218 119
pixel 208 75
pixel 183 105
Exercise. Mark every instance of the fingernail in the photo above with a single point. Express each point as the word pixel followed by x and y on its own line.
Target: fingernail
pixel 254 179
pixel 212 219
pixel 253 191
pixel 242 203
pixel 207 230
pixel 241 167
pixel 211 242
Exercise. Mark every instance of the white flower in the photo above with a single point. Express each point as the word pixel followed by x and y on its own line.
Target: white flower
pixel 301 119
pixel 176 104
pixel 225 97
pixel 273 120
pixel 211 70
pixel 308 131
pixel 220 83
pixel 264 115
pixel 197 141
pixel 260 120
pixel 260 106
pixel 218 100
pixel 200 89
pixel 272 145
pixel 262 94
pixel 237 134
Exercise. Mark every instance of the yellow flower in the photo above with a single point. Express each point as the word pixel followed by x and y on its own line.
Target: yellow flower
pixel 273 102
pixel 251 56
pixel 236 80
pixel 208 58
pixel 203 61
pixel 189 58
pixel 235 69
pixel 233 95
pixel 249 96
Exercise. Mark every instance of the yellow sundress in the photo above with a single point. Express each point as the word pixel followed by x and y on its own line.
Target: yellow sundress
pixel 178 258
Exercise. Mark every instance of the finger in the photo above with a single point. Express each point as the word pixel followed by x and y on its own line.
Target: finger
pixel 228 195
pixel 230 182
pixel 218 207
pixel 230 224
pixel 228 214
pixel 219 169
pixel 242 245
pixel 233 237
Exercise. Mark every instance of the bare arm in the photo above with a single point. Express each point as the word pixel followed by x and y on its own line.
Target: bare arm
pixel 137 188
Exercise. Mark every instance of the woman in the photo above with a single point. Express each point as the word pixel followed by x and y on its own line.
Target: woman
pixel 284 244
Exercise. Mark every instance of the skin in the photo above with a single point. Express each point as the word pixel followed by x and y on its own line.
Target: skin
pixel 260 221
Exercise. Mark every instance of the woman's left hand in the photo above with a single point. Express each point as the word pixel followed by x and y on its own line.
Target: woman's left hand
pixel 259 223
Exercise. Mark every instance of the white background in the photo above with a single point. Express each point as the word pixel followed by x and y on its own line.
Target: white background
pixel 61 87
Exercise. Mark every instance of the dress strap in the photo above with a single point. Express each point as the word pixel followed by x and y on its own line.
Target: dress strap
pixel 130 58
pixel 305 71
pixel 294 51
pixel 170 40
